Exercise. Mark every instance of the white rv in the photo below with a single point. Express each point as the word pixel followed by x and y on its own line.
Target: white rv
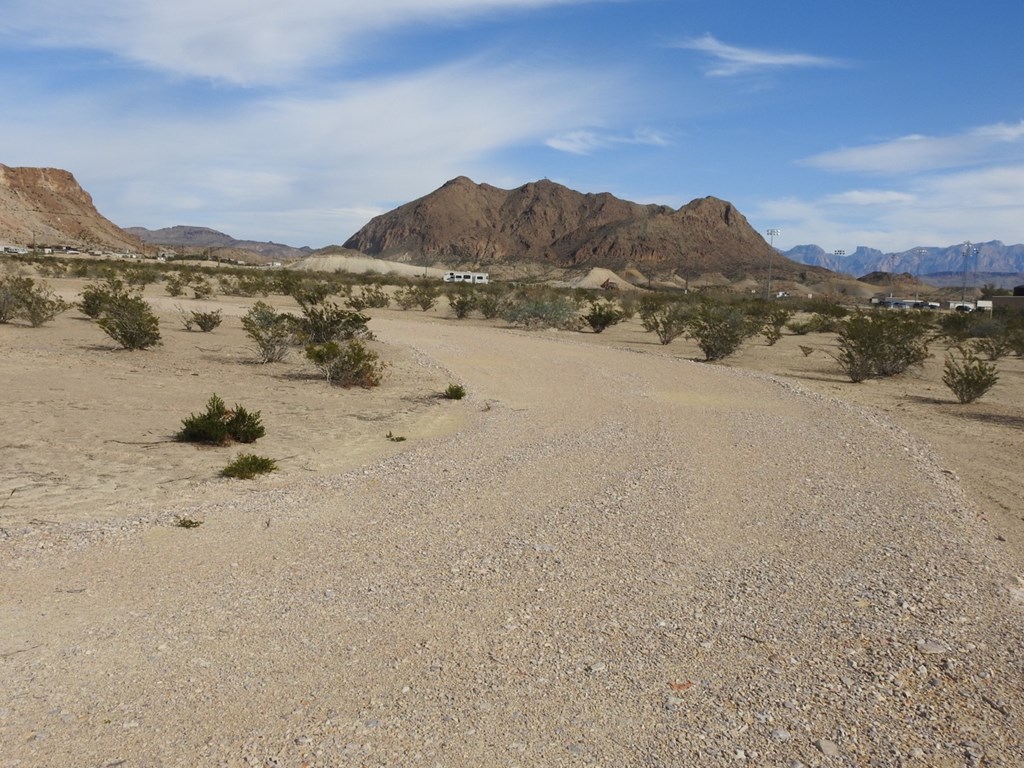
pixel 465 277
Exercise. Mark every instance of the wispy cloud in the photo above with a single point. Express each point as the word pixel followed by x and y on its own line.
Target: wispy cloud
pixel 917 153
pixel 280 161
pixel 245 42
pixel 588 142
pixel 934 210
pixel 732 60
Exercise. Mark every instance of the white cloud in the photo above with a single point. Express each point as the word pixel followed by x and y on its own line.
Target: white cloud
pixel 237 41
pixel 936 210
pixel 587 142
pixel 304 169
pixel 918 153
pixel 731 60
pixel 865 197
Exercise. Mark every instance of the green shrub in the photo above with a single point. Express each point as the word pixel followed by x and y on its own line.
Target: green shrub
pixel 462 303
pixel 769 319
pixel 321 323
pixel 175 284
pixel 603 314
pixel 970 377
pixel 542 311
pixel 993 347
pixel 206 321
pixel 247 465
pixel 667 319
pixel 351 364
pixel 369 297
pixel 882 343
pixel 23 298
pixel 454 392
pixel 269 330
pixel 130 322
pixel 310 292
pixel 719 329
pixel 94 298
pixel 423 295
pixel 220 426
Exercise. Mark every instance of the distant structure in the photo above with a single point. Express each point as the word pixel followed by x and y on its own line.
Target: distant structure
pixel 466 277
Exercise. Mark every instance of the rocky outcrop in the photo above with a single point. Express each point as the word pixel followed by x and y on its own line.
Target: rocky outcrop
pixel 468 224
pixel 47 206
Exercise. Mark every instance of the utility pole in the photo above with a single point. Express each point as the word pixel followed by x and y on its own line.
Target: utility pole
pixel 772 234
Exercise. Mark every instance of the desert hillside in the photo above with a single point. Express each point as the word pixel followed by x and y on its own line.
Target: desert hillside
pixel 469 224
pixel 47 206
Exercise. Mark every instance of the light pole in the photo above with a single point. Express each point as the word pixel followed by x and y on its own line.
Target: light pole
pixel 838 253
pixel 772 234
pixel 917 274
pixel 968 250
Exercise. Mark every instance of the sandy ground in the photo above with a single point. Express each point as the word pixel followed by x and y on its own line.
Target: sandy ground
pixel 606 555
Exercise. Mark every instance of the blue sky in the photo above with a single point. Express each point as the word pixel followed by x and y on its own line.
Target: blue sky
pixel 891 125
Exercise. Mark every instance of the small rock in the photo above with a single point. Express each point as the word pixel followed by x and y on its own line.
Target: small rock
pixel 597 666
pixel 780 734
pixel 931 647
pixel 827 748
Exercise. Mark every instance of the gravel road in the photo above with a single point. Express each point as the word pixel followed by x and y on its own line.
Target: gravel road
pixel 625 560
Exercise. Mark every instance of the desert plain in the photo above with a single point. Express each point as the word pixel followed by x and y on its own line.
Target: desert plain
pixel 607 554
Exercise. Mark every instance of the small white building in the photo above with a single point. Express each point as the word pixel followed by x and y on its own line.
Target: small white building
pixel 475 278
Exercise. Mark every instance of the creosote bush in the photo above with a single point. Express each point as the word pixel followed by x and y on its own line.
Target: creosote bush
pixel 205 321
pixel 882 343
pixel 454 392
pixel 970 377
pixel 269 330
pixel 667 319
pixel 130 321
pixel 719 329
pixel 349 364
pixel 603 314
pixel 220 426
pixel 542 310
pixel 321 323
pixel 462 303
pixel 247 465
pixel 22 298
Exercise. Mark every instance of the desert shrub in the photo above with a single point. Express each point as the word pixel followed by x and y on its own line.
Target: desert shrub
pixel 719 329
pixel 23 298
pixel 247 465
pixel 175 284
pixel 269 330
pixel 668 320
pixel 130 321
pixel 368 297
pixel 970 377
pixel 423 295
pixel 826 308
pixel 205 321
pixel 220 426
pixel 40 305
pixel 462 303
pixel 321 323
pixel 454 392
pixel 491 304
pixel 542 311
pixel 351 364
pixel 993 347
pixel 880 344
pixel 603 314
pixel 94 297
pixel 310 292
pixel 201 287
pixel 769 320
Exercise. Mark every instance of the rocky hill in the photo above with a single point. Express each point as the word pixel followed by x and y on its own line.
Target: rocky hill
pixel 464 224
pixel 194 240
pixel 991 258
pixel 47 207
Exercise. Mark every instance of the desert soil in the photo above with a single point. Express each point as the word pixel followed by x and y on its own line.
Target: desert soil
pixel 607 554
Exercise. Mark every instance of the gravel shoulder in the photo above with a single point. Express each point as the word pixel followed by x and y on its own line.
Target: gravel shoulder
pixel 620 559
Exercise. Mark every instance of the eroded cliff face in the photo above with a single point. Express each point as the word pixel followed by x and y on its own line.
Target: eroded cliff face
pixel 47 206
pixel 467 223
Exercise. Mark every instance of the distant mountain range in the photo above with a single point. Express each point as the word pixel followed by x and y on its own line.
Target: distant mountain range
pixel 992 259
pixel 194 240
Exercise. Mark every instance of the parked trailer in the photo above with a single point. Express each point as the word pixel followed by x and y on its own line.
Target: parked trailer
pixel 465 277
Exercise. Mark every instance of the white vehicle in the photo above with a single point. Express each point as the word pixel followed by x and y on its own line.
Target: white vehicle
pixel 465 277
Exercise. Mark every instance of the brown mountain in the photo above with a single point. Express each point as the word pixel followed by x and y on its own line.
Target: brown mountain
pixel 202 240
pixel 46 206
pixel 467 224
